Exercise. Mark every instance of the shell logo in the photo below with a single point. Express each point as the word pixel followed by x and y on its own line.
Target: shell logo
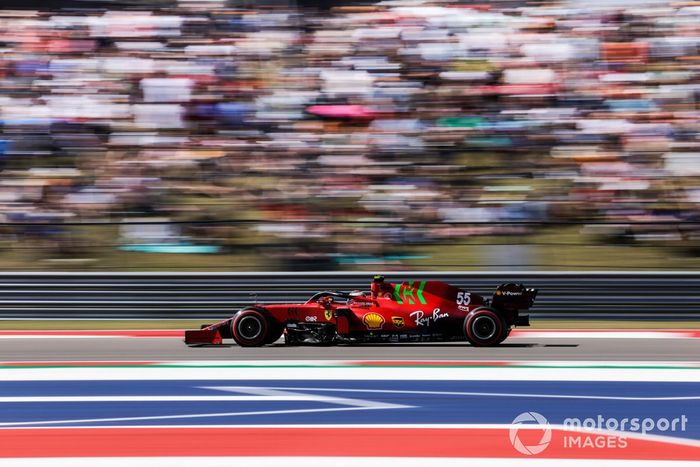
pixel 373 320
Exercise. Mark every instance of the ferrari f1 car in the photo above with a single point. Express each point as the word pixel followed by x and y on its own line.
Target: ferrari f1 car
pixel 410 311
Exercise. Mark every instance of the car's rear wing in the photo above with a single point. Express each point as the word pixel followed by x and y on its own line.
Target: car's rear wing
pixel 514 297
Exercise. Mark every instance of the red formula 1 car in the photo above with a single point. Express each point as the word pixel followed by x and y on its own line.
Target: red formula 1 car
pixel 410 311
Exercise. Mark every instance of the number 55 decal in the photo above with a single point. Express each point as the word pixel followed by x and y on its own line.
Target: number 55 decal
pixel 463 298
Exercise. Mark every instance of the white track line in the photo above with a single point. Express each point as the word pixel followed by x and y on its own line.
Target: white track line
pixel 48 399
pixel 489 394
pixel 625 364
pixel 260 394
pixel 42 423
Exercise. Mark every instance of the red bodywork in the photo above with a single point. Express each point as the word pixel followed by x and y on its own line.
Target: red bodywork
pixel 434 310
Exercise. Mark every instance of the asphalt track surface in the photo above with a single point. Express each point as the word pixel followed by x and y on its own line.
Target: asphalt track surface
pixel 514 349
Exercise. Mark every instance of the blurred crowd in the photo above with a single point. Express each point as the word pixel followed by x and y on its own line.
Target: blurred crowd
pixel 329 136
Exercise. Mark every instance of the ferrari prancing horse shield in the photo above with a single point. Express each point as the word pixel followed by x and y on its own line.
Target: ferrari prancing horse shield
pixel 328 314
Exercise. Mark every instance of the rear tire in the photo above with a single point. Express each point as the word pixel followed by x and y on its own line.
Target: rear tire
pixel 251 327
pixel 484 328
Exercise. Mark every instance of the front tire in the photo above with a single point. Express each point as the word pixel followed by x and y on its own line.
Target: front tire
pixel 275 333
pixel 484 328
pixel 251 328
